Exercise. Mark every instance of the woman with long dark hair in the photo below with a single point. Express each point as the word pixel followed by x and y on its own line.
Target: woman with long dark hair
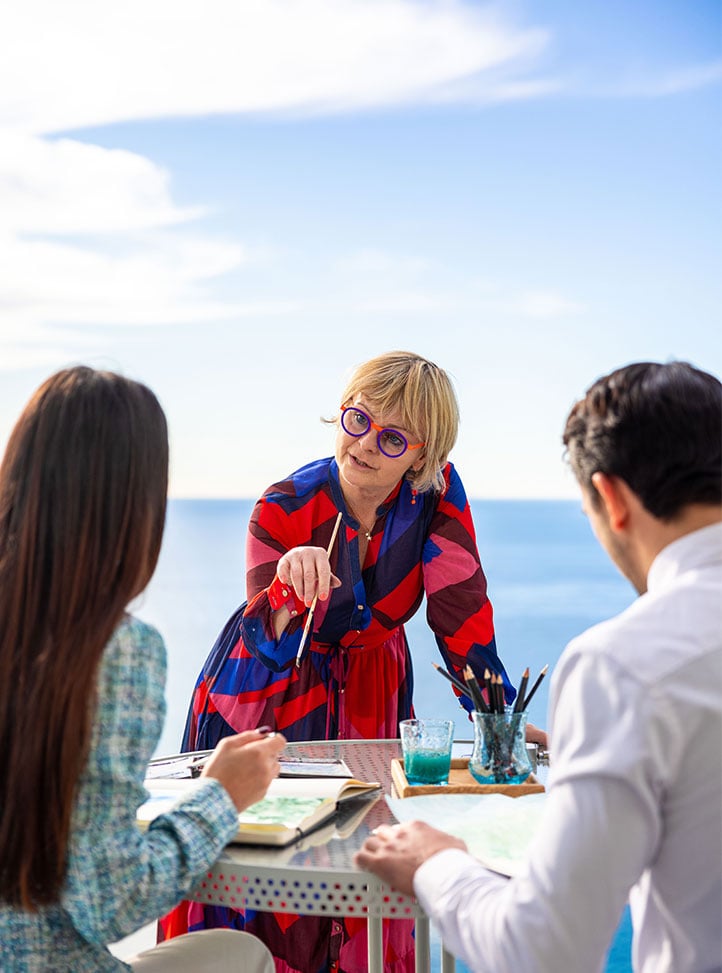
pixel 82 508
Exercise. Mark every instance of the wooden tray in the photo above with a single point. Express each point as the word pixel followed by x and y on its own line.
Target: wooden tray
pixel 460 782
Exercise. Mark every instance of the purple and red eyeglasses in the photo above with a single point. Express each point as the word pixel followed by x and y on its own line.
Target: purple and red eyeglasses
pixel 392 443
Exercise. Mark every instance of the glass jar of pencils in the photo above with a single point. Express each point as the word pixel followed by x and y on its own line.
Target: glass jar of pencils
pixel 500 755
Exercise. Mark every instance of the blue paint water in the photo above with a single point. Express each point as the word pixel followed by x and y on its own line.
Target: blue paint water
pixel 548 580
pixel 427 766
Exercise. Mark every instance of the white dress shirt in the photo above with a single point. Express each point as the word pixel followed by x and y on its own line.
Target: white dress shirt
pixel 634 805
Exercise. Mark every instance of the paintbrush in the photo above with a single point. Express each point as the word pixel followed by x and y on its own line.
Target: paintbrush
pixel 312 609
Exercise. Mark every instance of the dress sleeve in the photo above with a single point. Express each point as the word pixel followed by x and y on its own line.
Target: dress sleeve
pixel 118 877
pixel 458 609
pixel 271 532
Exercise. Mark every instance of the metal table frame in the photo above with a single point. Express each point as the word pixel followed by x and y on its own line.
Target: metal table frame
pixel 316 875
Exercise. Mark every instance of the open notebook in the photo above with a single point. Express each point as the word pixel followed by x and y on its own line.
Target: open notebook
pixel 292 807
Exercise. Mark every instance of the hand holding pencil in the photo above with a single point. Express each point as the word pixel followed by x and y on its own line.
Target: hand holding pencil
pixel 320 589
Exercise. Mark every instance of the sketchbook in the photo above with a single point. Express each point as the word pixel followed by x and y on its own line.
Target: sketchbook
pixel 292 807
pixel 344 823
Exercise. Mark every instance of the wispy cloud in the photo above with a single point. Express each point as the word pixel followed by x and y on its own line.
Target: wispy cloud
pixel 24 344
pixel 655 83
pixel 679 81
pixel 379 263
pixel 90 235
pixel 68 187
pixel 545 305
pixel 377 281
pixel 76 64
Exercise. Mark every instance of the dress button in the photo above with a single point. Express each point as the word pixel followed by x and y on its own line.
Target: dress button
pixel 294 612
pixel 284 592
pixel 360 607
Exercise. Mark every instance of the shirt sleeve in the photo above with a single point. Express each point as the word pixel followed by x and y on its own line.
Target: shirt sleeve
pixel 458 609
pixel 600 828
pixel 118 877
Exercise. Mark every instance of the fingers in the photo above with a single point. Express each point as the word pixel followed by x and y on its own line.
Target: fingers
pixel 308 570
pixel 535 735
pixel 384 839
pixel 395 852
pixel 245 736
pixel 245 764
pixel 385 854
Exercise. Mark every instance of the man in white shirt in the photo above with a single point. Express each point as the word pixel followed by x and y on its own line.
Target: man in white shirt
pixel 634 804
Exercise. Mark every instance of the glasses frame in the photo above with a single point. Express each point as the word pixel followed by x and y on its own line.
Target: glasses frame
pixel 380 430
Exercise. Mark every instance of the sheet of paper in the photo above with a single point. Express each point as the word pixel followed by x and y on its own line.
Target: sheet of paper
pixel 497 829
pixel 169 768
pixel 179 766
pixel 313 767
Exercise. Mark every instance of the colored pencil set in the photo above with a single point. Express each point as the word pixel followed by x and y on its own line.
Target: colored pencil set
pixel 494 685
pixel 500 755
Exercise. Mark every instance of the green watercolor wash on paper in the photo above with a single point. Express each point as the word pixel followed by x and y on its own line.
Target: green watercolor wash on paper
pixel 287 811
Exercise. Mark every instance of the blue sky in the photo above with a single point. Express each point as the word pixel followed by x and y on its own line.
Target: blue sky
pixel 236 202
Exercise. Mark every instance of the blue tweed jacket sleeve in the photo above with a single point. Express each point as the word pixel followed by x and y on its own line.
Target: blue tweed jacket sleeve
pixel 118 877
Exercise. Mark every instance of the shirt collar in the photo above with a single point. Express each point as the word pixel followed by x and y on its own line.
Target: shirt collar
pixel 702 548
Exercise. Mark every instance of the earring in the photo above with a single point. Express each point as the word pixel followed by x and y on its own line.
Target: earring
pixel 413 496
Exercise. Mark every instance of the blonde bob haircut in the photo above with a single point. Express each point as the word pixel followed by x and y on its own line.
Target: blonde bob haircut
pixel 423 396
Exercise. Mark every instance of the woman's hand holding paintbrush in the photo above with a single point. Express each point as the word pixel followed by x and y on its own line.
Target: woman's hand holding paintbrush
pixel 323 583
pixel 305 571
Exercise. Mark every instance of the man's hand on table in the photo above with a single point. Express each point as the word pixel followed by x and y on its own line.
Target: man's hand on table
pixel 395 852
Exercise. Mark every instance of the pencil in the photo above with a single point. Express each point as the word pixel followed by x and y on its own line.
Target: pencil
pixel 535 686
pixel 519 704
pixel 475 691
pixel 454 681
pixel 489 693
pixel 312 609
pixel 499 690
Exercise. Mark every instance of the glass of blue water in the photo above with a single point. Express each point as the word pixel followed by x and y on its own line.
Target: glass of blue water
pixel 426 747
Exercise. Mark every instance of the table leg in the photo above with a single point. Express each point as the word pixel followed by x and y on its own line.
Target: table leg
pixel 448 962
pixel 423 945
pixel 374 925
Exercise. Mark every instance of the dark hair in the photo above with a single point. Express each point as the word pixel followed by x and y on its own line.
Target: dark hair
pixel 82 508
pixel 656 426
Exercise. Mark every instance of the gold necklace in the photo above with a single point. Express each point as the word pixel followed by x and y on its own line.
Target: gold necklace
pixel 362 527
pixel 366 531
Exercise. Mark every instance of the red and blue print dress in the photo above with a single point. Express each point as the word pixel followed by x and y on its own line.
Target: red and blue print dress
pixel 356 677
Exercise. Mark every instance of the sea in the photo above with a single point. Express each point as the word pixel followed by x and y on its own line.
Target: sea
pixel 548 580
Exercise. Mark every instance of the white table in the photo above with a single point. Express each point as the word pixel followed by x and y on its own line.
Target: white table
pixel 321 879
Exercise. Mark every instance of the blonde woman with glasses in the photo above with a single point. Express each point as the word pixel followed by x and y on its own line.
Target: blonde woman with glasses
pixel 339 556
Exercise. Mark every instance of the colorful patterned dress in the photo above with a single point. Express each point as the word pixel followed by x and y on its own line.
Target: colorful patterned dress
pixel 356 677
